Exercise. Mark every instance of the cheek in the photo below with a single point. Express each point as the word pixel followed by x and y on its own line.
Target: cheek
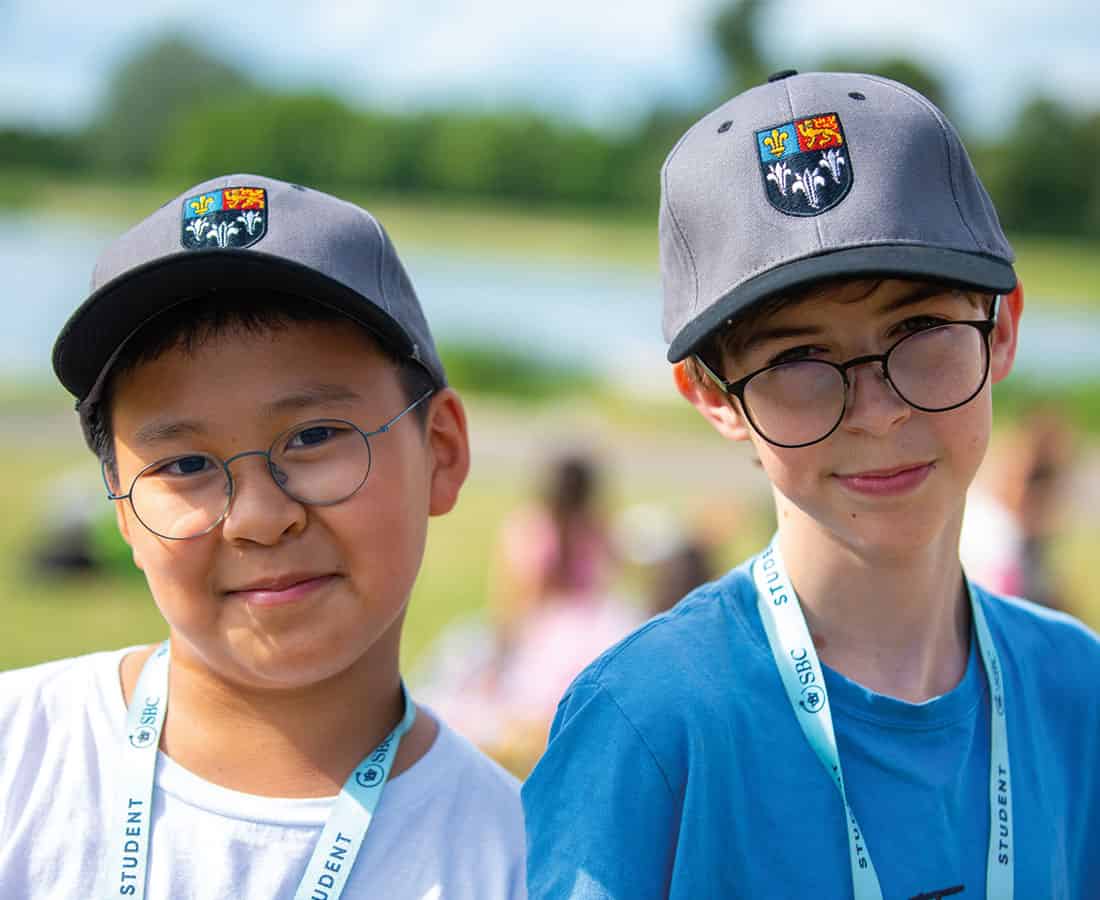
pixel 966 431
pixel 382 540
pixel 788 469
pixel 177 574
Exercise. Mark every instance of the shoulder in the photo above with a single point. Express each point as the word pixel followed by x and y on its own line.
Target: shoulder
pixel 54 690
pixel 1034 631
pixel 689 666
pixel 47 707
pixel 461 756
pixel 455 773
pixel 689 640
pixel 1045 647
pixel 58 722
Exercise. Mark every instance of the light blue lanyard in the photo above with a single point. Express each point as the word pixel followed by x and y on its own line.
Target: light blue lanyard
pixel 336 850
pixel 800 669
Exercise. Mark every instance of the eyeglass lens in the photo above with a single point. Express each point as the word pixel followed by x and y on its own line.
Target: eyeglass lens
pixel 803 401
pixel 318 463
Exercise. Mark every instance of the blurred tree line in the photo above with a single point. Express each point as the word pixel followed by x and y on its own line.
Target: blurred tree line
pixel 172 111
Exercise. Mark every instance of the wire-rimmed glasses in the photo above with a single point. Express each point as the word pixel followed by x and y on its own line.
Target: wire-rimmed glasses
pixel 320 462
pixel 801 402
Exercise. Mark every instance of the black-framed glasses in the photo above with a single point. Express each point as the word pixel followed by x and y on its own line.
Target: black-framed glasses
pixel 801 402
pixel 320 462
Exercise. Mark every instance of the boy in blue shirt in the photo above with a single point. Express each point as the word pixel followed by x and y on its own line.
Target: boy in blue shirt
pixel 844 714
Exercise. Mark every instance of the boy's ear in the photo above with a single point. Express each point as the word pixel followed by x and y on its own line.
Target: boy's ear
pixel 449 449
pixel 714 405
pixel 1006 334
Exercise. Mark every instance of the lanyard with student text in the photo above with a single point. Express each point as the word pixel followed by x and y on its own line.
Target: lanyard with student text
pixel 795 657
pixel 333 857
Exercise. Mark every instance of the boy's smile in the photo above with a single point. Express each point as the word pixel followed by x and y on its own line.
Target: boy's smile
pixel 278 590
pixel 886 482
pixel 281 593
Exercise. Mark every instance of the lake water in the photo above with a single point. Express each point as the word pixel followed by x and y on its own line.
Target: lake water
pixel 605 318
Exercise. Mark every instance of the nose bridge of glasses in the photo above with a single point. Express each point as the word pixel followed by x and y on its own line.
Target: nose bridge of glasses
pixel 861 361
pixel 277 474
pixel 880 377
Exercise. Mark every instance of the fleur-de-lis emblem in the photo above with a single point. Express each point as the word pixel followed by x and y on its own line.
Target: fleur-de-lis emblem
pixel 251 220
pixel 200 206
pixel 198 227
pixel 807 183
pixel 832 161
pixel 776 142
pixel 779 173
pixel 221 233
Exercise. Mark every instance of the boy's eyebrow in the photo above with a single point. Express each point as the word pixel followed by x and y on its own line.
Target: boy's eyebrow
pixel 916 294
pixel 312 395
pixel 774 334
pixel 160 431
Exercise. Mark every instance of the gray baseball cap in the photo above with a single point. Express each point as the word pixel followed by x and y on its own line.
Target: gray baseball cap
pixel 817 176
pixel 237 232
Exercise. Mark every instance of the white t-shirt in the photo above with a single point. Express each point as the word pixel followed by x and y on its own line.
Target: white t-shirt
pixel 448 828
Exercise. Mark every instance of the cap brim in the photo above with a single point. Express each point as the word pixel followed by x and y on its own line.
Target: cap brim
pixel 110 316
pixel 972 270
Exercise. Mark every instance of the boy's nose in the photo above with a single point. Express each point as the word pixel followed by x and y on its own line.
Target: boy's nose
pixel 874 406
pixel 259 510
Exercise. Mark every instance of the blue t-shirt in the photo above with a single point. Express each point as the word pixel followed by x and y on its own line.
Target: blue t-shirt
pixel 676 768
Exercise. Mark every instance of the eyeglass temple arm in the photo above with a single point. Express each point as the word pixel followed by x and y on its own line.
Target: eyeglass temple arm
pixel 397 418
pixel 111 495
pixel 711 374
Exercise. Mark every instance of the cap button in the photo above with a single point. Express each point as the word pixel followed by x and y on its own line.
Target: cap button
pixel 781 74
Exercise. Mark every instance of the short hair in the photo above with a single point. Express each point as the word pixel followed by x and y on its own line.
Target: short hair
pixel 190 324
pixel 730 338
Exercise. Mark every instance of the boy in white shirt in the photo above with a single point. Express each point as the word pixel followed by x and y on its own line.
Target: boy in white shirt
pixel 255 374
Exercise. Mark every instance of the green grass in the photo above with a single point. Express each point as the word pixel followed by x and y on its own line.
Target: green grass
pixel 1056 272
pixel 33 397
pixel 1059 272
pixel 47 618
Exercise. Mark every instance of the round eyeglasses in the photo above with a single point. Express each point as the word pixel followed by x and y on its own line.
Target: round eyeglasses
pixel 802 402
pixel 321 462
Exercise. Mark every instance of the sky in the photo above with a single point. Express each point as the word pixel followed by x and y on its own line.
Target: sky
pixel 603 64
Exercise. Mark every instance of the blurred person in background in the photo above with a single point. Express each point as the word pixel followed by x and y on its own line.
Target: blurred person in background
pixel 688 566
pixel 557 552
pixel 553 609
pixel 1013 512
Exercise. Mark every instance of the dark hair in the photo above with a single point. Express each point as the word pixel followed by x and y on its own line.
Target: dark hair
pixel 728 341
pixel 190 324
pixel 570 486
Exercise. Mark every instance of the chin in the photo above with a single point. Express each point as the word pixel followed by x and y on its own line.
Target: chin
pixel 895 535
pixel 298 663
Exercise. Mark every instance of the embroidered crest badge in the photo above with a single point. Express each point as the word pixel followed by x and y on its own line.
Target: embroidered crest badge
pixel 805 164
pixel 228 218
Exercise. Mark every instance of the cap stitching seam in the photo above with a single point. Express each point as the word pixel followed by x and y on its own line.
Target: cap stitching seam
pixel 676 221
pixel 381 258
pixel 931 108
pixel 790 108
